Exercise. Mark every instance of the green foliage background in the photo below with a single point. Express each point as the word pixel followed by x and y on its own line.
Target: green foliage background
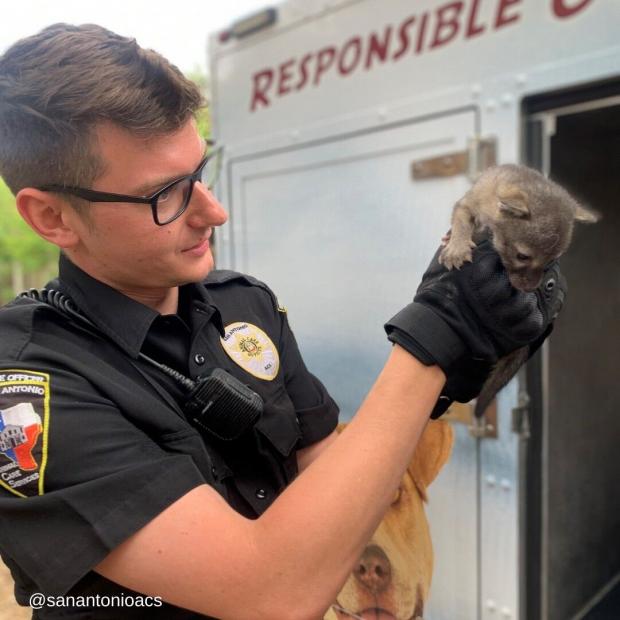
pixel 19 244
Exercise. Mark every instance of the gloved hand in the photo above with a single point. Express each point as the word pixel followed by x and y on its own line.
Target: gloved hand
pixel 465 319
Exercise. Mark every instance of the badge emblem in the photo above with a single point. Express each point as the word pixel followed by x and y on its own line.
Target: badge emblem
pixel 252 349
pixel 24 417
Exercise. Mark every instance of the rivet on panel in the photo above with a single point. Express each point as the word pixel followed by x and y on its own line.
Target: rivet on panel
pixel 505 483
pixel 491 605
pixel 490 480
pixel 491 105
pixel 506 613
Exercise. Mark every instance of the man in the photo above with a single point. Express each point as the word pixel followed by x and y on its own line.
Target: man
pixel 113 484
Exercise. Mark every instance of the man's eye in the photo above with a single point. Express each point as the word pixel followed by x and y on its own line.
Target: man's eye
pixel 164 195
pixel 522 256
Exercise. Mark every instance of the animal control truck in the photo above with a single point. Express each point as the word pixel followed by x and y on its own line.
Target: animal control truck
pixel 350 128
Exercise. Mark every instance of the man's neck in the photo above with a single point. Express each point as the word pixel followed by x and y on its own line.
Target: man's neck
pixel 163 300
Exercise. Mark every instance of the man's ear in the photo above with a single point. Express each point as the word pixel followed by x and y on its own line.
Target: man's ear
pixel 47 214
pixel 431 454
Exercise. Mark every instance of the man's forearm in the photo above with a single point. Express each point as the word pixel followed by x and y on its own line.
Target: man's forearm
pixel 315 531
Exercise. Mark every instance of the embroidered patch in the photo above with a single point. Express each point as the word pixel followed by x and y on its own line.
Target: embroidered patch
pixel 24 422
pixel 252 349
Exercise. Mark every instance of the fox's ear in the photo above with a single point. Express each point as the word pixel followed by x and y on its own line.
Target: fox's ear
pixel 514 209
pixel 586 216
pixel 512 201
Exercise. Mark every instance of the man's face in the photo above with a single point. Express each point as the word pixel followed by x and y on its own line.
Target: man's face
pixel 119 242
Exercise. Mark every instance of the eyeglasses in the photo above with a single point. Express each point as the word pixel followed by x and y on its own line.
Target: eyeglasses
pixel 168 203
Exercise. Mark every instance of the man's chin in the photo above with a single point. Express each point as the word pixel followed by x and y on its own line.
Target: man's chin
pixel 197 273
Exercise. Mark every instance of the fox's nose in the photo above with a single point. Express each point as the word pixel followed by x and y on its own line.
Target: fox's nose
pixel 523 283
pixel 374 570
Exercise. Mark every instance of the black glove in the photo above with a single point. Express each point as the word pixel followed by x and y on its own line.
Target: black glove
pixel 465 319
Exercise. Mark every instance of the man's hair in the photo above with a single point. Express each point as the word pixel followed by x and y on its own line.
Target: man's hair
pixel 57 85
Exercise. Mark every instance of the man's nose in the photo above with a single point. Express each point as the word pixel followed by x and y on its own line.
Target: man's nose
pixel 204 208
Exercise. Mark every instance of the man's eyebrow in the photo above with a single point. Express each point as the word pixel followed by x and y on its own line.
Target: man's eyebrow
pixel 152 186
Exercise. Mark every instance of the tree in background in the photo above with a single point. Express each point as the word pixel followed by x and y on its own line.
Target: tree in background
pixel 25 259
pixel 203 118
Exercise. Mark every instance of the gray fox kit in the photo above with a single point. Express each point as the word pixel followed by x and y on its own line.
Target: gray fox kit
pixel 530 219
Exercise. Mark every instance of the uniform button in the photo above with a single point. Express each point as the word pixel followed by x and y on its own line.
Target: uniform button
pixel 213 470
pixel 261 493
pixel 199 358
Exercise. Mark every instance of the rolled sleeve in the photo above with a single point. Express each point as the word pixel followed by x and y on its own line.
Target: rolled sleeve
pixel 316 410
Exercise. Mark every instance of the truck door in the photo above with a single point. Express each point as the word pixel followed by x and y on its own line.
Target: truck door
pixel 342 232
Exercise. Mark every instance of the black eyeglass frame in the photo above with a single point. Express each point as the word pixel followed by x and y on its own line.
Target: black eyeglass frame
pixel 95 196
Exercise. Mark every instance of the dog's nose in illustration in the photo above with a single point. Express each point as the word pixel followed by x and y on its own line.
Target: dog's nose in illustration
pixel 373 569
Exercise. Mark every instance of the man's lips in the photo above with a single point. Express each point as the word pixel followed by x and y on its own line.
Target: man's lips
pixel 200 247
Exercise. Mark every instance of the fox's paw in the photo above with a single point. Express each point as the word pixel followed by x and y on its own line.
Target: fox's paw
pixel 456 253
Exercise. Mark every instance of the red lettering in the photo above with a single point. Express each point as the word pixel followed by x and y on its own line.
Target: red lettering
pixel 562 10
pixel 472 28
pixel 421 33
pixel 404 38
pixel 502 19
pixel 378 48
pixel 284 76
pixel 447 23
pixel 324 62
pixel 262 82
pixel 304 71
pixel 354 44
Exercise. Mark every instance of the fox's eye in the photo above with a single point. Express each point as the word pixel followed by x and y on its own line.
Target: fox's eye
pixel 522 256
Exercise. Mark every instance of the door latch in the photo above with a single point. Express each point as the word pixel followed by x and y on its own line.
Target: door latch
pixel 484 427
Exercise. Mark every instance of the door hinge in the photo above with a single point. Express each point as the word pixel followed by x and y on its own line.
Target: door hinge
pixel 480 154
pixel 521 416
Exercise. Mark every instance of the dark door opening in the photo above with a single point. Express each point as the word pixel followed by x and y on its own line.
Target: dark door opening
pixel 572 513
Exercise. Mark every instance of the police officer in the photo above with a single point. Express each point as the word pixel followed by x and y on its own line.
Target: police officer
pixel 112 484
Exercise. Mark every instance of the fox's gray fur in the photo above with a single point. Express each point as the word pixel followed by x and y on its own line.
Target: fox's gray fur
pixel 531 220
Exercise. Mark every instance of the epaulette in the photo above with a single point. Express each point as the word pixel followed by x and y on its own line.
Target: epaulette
pixel 223 276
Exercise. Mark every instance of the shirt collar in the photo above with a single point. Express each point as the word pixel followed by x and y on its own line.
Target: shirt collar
pixel 120 318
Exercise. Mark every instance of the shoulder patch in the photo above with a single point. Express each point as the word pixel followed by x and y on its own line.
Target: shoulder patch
pixel 24 424
pixel 252 349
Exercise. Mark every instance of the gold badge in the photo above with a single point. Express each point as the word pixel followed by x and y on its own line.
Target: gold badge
pixel 252 349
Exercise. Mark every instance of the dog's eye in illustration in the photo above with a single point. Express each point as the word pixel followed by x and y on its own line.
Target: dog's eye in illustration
pixel 522 257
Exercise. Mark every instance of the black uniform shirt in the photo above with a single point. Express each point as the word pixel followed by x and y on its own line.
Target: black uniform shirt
pixel 94 442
